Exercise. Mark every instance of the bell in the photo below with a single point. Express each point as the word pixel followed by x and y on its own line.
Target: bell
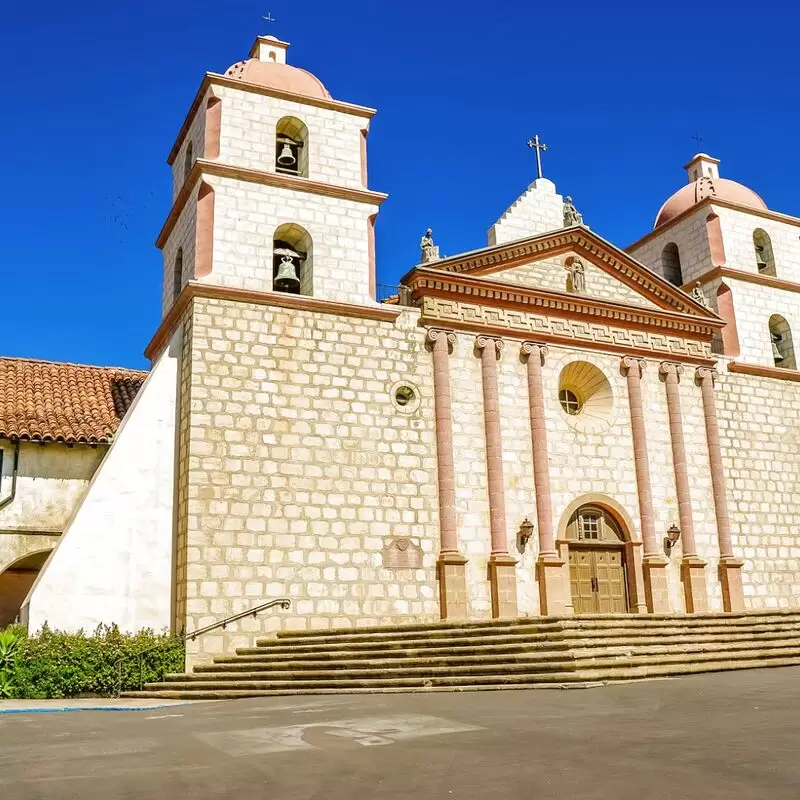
pixel 286 280
pixel 761 262
pixel 286 158
pixel 776 353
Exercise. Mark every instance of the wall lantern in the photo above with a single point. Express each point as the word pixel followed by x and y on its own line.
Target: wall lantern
pixel 525 532
pixel 673 534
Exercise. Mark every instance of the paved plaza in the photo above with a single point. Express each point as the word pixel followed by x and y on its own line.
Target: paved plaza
pixel 713 736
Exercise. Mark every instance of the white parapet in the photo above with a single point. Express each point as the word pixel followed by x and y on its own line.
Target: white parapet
pixel 113 563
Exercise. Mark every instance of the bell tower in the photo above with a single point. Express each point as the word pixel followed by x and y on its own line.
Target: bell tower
pixel 270 186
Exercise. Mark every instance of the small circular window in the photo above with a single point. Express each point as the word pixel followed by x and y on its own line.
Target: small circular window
pixel 569 401
pixel 404 396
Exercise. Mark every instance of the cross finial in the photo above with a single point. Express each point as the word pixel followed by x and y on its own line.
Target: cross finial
pixel 539 147
pixel 269 18
pixel 699 140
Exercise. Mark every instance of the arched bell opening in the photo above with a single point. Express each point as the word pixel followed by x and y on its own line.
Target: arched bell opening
pixel 291 147
pixel 765 259
pixel 671 264
pixel 292 260
pixel 780 335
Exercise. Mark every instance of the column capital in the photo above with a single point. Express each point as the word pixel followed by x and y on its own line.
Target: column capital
pixel 483 342
pixel 628 363
pixel 534 349
pixel 705 373
pixel 432 335
pixel 667 368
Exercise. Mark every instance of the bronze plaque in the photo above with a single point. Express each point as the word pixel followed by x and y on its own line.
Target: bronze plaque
pixel 401 553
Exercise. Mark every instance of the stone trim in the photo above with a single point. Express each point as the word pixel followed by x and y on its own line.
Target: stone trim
pixel 214 79
pixel 202 167
pixel 601 253
pixel 744 276
pixel 426 282
pixel 567 329
pixel 764 372
pixel 194 290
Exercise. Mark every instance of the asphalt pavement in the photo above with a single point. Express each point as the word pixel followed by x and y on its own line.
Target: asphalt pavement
pixel 734 735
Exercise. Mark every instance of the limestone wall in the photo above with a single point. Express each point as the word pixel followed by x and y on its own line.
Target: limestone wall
pixel 113 563
pixel 246 215
pixel 691 237
pixel 761 451
pixel 196 137
pixel 183 236
pixel 300 470
pixel 247 136
pixel 539 210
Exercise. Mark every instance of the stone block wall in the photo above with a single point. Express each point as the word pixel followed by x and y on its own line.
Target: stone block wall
pixel 247 136
pixel 691 237
pixel 299 470
pixel 761 451
pixel 539 210
pixel 183 236
pixel 246 216
pixel 195 136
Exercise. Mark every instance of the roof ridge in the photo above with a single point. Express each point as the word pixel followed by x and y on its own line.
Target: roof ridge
pixel 102 367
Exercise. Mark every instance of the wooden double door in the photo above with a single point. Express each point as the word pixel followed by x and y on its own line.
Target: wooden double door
pixel 598 580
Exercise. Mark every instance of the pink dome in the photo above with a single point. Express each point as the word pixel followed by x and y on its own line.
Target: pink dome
pixel 699 190
pixel 278 76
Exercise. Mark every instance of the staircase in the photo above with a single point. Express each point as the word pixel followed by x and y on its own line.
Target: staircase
pixel 522 653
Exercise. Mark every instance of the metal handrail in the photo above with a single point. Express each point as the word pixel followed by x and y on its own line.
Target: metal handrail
pixel 283 602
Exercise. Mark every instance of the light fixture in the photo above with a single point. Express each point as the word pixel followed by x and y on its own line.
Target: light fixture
pixel 673 534
pixel 525 532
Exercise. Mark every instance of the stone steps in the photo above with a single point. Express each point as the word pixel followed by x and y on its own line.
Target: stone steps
pixel 539 652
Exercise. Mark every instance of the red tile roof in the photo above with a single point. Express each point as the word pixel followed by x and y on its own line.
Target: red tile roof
pixel 43 401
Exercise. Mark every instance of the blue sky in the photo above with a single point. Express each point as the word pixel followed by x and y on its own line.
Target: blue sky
pixel 95 94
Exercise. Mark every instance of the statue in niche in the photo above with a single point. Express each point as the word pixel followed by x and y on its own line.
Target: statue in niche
pixel 577 276
pixel 698 296
pixel 430 251
pixel 571 214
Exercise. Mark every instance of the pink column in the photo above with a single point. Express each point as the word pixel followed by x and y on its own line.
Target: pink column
pixel 656 590
pixel 729 565
pixel 490 352
pixel 692 567
pixel 440 342
pixel 451 567
pixel 502 575
pixel 554 595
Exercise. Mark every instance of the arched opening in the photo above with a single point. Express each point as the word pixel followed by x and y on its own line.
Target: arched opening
pixel 292 260
pixel 597 561
pixel 291 147
pixel 726 342
pixel 15 583
pixel 177 274
pixel 671 264
pixel 780 335
pixel 765 260
pixel 188 161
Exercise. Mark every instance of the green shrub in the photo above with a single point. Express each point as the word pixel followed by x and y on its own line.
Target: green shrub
pixel 58 664
pixel 9 645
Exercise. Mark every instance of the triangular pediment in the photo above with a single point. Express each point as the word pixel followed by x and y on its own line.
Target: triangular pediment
pixel 546 263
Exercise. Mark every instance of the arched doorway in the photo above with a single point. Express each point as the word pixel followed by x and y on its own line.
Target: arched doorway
pixel 15 583
pixel 597 562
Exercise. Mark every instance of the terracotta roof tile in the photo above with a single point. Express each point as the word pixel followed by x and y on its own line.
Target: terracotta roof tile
pixel 43 401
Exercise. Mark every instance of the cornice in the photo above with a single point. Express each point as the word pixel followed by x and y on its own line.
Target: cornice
pixel 202 167
pixel 432 282
pixel 746 277
pixel 602 254
pixel 215 79
pixel 760 371
pixel 764 213
pixel 194 290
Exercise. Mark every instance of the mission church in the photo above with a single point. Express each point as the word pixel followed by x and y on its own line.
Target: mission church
pixel 550 425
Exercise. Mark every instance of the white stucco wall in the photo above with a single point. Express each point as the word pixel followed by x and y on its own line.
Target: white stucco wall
pixel 114 561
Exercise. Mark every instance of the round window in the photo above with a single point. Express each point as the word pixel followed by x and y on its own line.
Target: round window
pixel 569 401
pixel 404 396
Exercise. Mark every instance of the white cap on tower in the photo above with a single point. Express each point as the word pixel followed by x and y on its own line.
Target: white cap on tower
pixel 702 166
pixel 269 48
